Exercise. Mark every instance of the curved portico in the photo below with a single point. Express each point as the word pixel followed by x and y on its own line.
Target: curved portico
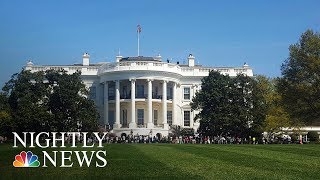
pixel 139 94
pixel 139 103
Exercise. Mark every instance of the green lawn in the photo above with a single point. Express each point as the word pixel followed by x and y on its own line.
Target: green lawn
pixel 174 161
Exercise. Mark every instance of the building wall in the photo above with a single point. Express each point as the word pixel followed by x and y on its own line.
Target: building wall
pixel 95 76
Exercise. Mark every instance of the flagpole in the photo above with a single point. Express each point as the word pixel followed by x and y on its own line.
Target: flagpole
pixel 138 43
pixel 138 31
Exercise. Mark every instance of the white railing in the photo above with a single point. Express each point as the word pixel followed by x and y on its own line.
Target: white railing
pixel 86 70
pixel 144 65
pixel 139 65
pixel 169 67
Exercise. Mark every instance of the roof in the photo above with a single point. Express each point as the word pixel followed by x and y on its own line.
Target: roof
pixel 186 65
pixel 140 58
pixel 82 64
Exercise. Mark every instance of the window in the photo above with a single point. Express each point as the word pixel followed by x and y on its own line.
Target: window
pixel 124 118
pixel 169 117
pixel 155 117
pixel 140 116
pixel 169 93
pixel 124 94
pixel 155 93
pixel 186 93
pixel 111 92
pixel 92 92
pixel 111 118
pixel 140 91
pixel 186 118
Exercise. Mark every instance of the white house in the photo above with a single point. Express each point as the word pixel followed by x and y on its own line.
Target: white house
pixel 143 95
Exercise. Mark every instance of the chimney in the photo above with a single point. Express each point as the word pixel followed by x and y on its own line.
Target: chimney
pixel 118 58
pixel 158 58
pixel 191 60
pixel 85 59
pixel 29 64
pixel 245 65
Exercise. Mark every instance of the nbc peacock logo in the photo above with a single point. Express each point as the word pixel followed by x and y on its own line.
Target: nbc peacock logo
pixel 26 160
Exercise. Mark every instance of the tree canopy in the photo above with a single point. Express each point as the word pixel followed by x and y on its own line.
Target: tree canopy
pixel 276 115
pixel 27 97
pixel 299 85
pixel 49 101
pixel 5 116
pixel 229 106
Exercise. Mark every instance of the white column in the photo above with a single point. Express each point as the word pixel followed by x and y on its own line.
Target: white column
pixel 117 123
pixel 133 123
pixel 174 120
pixel 192 113
pixel 150 123
pixel 164 105
pixel 106 102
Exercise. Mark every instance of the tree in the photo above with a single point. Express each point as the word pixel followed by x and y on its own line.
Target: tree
pixel 68 103
pixel 49 101
pixel 230 106
pixel 299 85
pixel 213 101
pixel 248 106
pixel 276 116
pixel 27 98
pixel 260 105
pixel 5 116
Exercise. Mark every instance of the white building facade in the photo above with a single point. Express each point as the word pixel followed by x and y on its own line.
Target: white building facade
pixel 143 95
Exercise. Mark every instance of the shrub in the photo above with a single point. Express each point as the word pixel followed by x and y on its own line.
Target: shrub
pixel 313 136
pixel 294 138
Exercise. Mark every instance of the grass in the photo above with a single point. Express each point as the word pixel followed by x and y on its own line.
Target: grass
pixel 174 161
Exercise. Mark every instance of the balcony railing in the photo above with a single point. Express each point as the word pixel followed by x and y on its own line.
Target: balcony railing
pixel 156 96
pixel 173 68
pixel 139 65
pixel 145 96
pixel 145 65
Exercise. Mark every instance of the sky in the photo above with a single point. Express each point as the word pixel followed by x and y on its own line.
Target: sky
pixel 217 33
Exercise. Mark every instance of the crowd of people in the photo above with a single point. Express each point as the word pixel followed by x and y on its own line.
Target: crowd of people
pixel 186 139
pixel 197 139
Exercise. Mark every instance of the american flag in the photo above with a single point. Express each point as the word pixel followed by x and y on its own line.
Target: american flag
pixel 138 28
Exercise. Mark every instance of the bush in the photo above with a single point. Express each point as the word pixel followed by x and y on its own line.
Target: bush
pixel 294 138
pixel 313 136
